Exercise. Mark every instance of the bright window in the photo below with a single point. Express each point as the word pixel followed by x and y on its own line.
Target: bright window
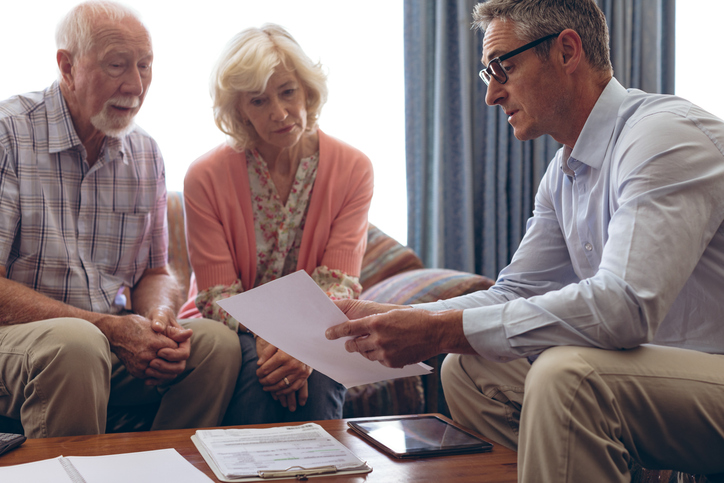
pixel 699 70
pixel 359 43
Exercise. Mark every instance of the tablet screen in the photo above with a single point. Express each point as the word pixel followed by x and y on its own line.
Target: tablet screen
pixel 418 436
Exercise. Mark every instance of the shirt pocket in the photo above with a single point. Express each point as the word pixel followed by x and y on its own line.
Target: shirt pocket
pixel 121 242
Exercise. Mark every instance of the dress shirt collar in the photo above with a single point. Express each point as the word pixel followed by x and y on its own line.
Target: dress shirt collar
pixel 592 143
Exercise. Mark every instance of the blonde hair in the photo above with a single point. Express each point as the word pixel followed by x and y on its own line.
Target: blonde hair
pixel 246 64
pixel 75 31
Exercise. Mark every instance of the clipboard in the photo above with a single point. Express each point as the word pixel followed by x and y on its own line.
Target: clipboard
pixel 418 436
pixel 293 471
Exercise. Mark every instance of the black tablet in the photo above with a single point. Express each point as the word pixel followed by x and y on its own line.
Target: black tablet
pixel 415 436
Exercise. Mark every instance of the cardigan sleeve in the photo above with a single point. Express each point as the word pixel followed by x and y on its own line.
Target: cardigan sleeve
pixel 339 206
pixel 208 191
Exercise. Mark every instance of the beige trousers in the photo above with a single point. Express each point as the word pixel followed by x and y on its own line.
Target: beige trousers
pixel 58 376
pixel 587 412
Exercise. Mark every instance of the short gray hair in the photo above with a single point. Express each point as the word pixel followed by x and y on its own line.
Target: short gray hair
pixel 75 31
pixel 246 65
pixel 533 19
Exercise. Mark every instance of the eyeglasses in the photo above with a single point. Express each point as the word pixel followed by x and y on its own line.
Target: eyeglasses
pixel 495 69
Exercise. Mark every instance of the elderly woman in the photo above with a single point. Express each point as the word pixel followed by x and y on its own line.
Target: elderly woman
pixel 280 196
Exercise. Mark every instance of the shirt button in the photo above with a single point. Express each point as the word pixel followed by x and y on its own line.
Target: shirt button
pixel 588 247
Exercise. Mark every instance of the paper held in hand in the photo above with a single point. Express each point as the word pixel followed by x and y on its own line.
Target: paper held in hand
pixel 279 452
pixel 292 313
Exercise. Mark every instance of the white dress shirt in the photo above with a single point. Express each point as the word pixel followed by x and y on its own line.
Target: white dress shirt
pixel 625 245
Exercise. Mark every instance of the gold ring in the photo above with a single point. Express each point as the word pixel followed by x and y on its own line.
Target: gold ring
pixel 286 381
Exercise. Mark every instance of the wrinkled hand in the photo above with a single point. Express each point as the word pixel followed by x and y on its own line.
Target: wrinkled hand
pixel 395 337
pixel 292 400
pixel 274 367
pixel 170 362
pixel 154 350
pixel 356 309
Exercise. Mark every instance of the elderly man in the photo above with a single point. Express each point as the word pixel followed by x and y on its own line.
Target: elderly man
pixel 614 292
pixel 87 303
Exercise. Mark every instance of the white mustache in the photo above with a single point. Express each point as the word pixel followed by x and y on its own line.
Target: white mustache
pixel 129 102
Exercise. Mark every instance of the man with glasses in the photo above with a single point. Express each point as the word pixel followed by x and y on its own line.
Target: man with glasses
pixel 609 317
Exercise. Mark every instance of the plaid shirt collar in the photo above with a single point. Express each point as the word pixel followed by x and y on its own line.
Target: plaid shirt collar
pixel 62 135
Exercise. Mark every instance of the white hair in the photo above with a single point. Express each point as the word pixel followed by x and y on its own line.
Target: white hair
pixel 75 31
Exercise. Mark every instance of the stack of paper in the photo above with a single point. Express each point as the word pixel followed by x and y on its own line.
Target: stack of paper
pixel 281 452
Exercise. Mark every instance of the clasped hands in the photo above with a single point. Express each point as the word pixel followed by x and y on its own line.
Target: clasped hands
pixel 282 375
pixel 154 348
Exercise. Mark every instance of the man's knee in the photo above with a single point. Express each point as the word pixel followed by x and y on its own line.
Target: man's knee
pixel 556 370
pixel 212 338
pixel 71 342
pixel 450 372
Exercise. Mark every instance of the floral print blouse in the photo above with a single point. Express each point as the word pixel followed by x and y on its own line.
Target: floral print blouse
pixel 279 231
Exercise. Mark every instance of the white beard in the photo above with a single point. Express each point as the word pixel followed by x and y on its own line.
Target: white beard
pixel 111 125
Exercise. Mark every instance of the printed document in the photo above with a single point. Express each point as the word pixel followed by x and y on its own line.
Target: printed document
pixel 292 313
pixel 275 452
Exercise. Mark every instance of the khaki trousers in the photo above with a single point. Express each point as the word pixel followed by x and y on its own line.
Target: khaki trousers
pixel 581 414
pixel 58 377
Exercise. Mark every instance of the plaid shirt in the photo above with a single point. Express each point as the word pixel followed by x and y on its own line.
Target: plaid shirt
pixel 69 231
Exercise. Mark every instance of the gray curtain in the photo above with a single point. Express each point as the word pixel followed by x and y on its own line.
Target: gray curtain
pixel 470 183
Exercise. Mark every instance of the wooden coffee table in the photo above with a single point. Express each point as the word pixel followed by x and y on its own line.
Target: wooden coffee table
pixel 499 466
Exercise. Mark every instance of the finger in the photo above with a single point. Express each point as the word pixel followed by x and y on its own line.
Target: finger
pixel 303 394
pixel 177 354
pixel 345 305
pixel 265 354
pixel 178 334
pixel 162 368
pixel 277 383
pixel 291 402
pixel 346 329
pixel 281 367
pixel 159 376
pixel 158 326
pixel 278 361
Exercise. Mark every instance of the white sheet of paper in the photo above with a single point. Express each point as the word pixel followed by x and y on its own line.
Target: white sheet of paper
pixel 141 467
pixel 292 313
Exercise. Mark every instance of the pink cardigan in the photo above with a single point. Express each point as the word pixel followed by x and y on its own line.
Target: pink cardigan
pixel 220 221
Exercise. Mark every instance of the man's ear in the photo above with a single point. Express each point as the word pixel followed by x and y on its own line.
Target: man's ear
pixel 65 66
pixel 571 49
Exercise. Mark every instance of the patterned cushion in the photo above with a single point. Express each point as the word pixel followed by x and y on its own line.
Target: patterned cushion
pixel 386 398
pixel 385 257
pixel 426 285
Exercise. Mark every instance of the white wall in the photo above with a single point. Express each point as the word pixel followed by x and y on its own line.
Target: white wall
pixel 699 65
pixel 359 43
